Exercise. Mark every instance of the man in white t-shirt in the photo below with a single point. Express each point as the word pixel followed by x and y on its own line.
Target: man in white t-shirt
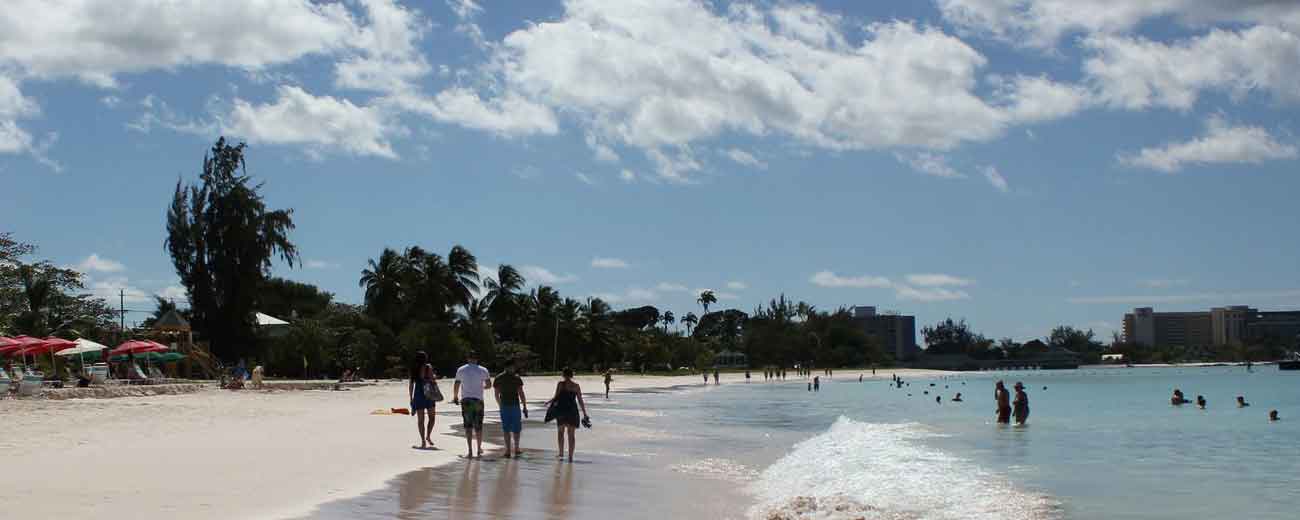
pixel 474 379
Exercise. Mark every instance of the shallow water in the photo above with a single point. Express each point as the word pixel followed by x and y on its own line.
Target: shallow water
pixel 1100 443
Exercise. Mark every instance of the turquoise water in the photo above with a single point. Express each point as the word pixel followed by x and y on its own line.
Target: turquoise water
pixel 1100 443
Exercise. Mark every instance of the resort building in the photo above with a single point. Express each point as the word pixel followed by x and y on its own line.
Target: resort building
pixel 1220 326
pixel 895 332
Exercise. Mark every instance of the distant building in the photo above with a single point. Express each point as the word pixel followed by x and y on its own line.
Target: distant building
pixel 895 332
pixel 1220 326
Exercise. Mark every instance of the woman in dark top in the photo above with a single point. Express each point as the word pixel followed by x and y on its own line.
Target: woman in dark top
pixel 1021 404
pixel 566 403
pixel 420 390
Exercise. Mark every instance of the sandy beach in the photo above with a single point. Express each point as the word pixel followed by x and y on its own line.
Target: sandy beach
pixel 225 454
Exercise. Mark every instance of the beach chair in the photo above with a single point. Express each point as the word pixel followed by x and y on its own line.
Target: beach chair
pixel 4 384
pixel 136 374
pixel 30 384
pixel 154 373
pixel 98 374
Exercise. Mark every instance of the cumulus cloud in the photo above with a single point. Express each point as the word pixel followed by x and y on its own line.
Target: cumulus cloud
pixel 609 263
pixel 585 179
pixel 996 179
pixel 542 275
pixel 298 117
pixel 627 175
pixel 926 163
pixel 830 279
pixel 1136 73
pixel 98 264
pixel 14 106
pixel 671 287
pixel 631 295
pixel 1222 143
pixel 660 76
pixel 737 285
pixel 1042 23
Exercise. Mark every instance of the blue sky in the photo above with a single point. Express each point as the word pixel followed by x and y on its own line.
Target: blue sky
pixel 1019 163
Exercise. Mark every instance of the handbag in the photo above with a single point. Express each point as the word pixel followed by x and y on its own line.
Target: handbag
pixel 431 391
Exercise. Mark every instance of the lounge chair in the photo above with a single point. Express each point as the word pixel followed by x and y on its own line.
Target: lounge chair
pixel 154 373
pixel 98 374
pixel 30 384
pixel 134 373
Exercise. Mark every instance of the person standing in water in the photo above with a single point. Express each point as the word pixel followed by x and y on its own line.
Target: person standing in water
pixel 1003 399
pixel 567 402
pixel 1272 415
pixel 715 376
pixel 706 377
pixel 474 379
pixel 817 384
pixel 1241 401
pixel 1178 399
pixel 422 390
pixel 509 391
pixel 609 378
pixel 1200 401
pixel 1021 404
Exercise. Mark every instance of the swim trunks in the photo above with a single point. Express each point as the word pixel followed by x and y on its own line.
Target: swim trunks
pixel 511 419
pixel 471 413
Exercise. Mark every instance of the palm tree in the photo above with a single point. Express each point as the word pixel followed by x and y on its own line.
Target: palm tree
pixel 502 298
pixel 383 283
pixel 690 320
pixel 706 299
pixel 667 319
pixel 462 277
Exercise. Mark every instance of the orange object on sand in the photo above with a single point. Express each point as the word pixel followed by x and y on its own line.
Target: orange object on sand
pixel 402 411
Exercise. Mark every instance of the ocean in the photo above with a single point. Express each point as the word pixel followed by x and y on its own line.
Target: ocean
pixel 1099 443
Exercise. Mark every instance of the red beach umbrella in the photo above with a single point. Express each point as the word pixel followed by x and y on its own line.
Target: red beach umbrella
pixel 19 343
pixel 137 346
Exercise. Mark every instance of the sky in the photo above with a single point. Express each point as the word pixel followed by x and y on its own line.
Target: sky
pixel 1017 163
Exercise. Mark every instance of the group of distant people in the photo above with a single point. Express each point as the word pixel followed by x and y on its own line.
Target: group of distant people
pixel 472 382
pixel 1178 399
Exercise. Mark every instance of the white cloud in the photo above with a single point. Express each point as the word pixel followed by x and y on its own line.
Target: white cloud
pixel 1136 73
pixel 627 175
pixel 737 286
pixel 671 287
pixel 659 76
pixel 319 264
pixel 158 113
pixel 745 158
pixel 937 280
pixel 116 288
pixel 98 264
pixel 14 106
pixel 321 122
pixel 387 57
pixel 1030 99
pixel 585 179
pixel 464 8
pixel 110 101
pixel 929 164
pixel 601 151
pixel 928 294
pixel 175 293
pixel 995 178
pixel 96 40
pixel 541 275
pixel 631 295
pixel 506 115
pixel 1221 144
pixel 1042 23
pixel 830 279
pixel 1234 297
pixel 609 263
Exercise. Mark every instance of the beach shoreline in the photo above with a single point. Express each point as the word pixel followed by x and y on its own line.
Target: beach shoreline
pixel 243 454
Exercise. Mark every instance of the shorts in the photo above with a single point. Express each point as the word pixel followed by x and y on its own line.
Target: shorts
pixel 511 419
pixel 471 413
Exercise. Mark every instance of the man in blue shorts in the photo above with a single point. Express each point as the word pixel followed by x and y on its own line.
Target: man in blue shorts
pixel 474 379
pixel 509 389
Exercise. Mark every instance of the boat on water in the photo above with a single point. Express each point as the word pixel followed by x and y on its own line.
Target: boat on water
pixel 1291 363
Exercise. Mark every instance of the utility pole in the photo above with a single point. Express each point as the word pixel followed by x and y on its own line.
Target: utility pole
pixel 121 307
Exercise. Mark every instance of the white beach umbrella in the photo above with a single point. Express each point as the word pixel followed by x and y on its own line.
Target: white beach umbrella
pixel 83 347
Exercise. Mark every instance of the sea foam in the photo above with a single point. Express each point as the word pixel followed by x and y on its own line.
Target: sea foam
pixel 884 471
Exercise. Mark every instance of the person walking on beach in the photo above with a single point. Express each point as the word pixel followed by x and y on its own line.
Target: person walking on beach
pixel 509 391
pixel 564 409
pixel 1004 402
pixel 817 384
pixel 474 379
pixel 1021 404
pixel 715 376
pixel 609 378
pixel 423 393
pixel 706 377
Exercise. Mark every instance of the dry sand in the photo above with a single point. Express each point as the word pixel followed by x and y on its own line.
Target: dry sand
pixel 224 454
